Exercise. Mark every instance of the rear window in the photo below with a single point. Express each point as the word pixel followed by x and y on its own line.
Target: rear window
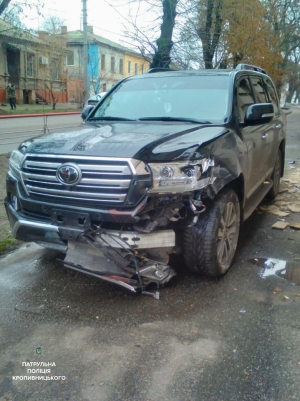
pixel 199 97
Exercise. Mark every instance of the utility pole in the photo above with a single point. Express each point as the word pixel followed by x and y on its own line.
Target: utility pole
pixel 85 52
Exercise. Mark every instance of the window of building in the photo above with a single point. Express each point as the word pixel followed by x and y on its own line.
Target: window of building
pixel 102 61
pixel 142 67
pixel 129 67
pixel 70 58
pixel 104 88
pixel 30 65
pixel 54 70
pixel 121 67
pixel 136 68
pixel 112 64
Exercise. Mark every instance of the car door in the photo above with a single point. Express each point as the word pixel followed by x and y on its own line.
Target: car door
pixel 278 122
pixel 269 130
pixel 258 138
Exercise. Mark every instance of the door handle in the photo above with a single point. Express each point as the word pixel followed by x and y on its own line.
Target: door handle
pixel 277 126
pixel 264 136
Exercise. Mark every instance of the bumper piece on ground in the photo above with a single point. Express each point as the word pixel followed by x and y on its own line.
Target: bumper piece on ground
pixel 109 256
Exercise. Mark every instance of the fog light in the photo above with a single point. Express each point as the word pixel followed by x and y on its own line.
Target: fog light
pixel 15 202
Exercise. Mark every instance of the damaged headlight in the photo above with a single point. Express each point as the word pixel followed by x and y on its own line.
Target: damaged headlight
pixel 178 177
pixel 15 162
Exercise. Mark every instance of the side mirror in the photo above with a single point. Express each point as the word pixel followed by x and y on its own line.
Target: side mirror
pixel 86 111
pixel 260 113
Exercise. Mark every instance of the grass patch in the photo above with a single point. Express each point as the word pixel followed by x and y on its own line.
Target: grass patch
pixel 40 111
pixel 6 243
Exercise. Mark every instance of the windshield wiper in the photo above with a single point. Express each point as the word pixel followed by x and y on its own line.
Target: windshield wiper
pixel 110 118
pixel 183 119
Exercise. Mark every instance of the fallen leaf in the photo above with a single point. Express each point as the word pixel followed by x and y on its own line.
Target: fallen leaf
pixel 285 297
pixel 277 289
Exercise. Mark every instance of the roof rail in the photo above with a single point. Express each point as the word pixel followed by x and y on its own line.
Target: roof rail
pixel 159 69
pixel 250 67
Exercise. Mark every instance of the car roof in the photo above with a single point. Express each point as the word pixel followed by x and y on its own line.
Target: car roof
pixel 207 72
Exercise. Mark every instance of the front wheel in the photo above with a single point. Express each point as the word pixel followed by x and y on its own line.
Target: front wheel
pixel 210 245
pixel 275 177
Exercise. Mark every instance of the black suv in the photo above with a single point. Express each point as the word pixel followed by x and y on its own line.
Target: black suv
pixel 167 162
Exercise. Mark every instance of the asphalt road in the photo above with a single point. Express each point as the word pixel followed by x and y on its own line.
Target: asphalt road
pixel 14 130
pixel 232 339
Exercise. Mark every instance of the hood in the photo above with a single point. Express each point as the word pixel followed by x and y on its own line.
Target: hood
pixel 154 141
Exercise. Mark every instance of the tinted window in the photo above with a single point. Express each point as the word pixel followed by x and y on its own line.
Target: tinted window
pixel 198 97
pixel 259 90
pixel 272 94
pixel 245 97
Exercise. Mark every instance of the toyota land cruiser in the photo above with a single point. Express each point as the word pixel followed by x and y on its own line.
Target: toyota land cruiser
pixel 167 162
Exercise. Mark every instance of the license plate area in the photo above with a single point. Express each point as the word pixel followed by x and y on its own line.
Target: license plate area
pixel 70 219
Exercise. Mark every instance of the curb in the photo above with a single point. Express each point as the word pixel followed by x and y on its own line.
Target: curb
pixel 40 114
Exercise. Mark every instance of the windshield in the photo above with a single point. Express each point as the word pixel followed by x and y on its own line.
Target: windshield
pixel 192 97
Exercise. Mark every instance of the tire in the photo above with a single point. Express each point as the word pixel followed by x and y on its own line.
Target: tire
pixel 208 248
pixel 275 177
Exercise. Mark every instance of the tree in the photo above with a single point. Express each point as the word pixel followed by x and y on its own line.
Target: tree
pixel 162 55
pixel 3 5
pixel 22 6
pixel 249 37
pixel 12 15
pixel 53 24
pixel 143 32
pixel 209 27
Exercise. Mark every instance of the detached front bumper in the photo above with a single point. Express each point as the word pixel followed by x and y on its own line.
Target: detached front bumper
pixel 120 257
pixel 49 235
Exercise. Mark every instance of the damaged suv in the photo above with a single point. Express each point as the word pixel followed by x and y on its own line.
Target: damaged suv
pixel 167 162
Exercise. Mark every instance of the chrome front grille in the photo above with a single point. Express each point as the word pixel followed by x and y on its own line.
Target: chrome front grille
pixel 104 180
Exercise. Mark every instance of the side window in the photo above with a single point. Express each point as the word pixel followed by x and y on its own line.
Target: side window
pixel 245 97
pixel 272 95
pixel 259 90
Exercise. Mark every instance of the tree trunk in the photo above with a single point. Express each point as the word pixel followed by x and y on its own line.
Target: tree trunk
pixel 210 39
pixel 3 5
pixel 162 58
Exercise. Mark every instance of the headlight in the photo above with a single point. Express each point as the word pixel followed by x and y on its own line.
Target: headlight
pixel 174 177
pixel 15 162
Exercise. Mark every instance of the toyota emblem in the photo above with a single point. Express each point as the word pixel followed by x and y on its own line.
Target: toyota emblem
pixel 69 174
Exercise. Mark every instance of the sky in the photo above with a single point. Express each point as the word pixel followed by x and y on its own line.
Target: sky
pixel 108 17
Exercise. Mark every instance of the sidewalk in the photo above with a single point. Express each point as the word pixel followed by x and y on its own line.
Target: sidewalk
pixel 30 110
pixel 40 106
pixel 5 239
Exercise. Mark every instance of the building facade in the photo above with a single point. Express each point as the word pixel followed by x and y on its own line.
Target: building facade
pixel 108 63
pixel 34 65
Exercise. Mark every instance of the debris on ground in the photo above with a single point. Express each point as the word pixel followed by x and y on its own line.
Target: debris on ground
pixel 280 225
pixel 295 225
pixel 274 210
pixel 294 208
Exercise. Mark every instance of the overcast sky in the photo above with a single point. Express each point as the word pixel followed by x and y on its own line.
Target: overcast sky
pixel 108 17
